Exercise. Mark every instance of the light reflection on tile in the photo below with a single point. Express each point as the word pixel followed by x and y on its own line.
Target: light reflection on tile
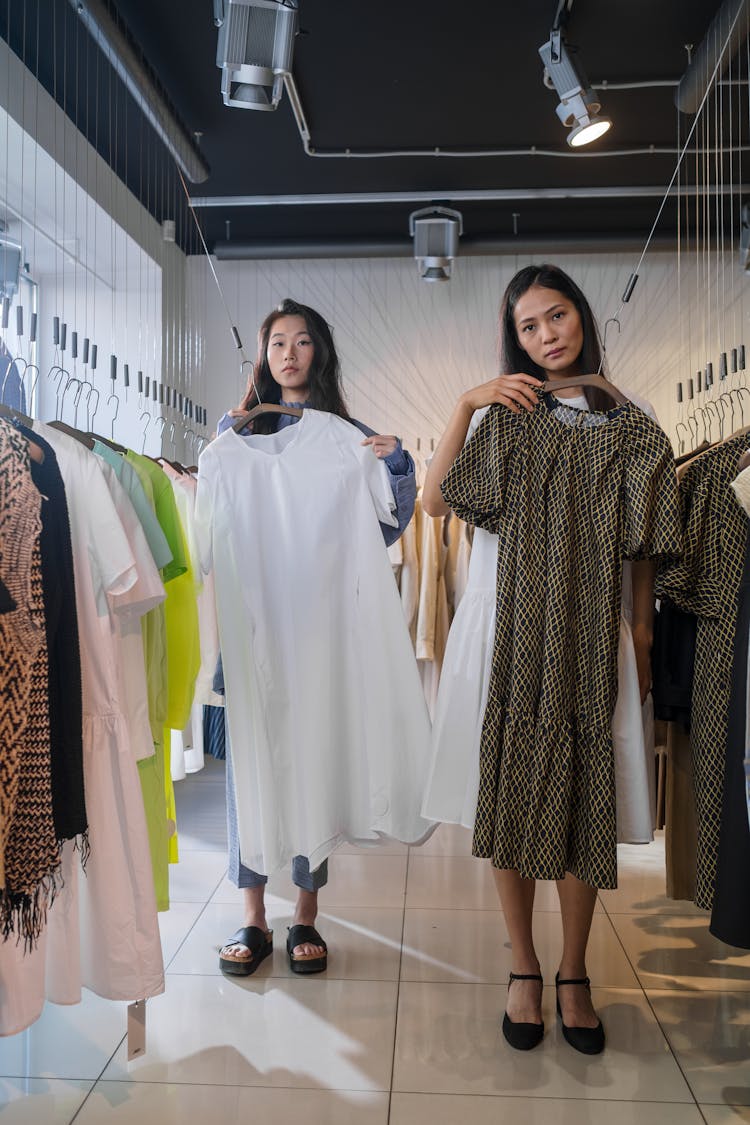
pixel 196 877
pixel 447 1109
pixel 675 951
pixel 174 926
pixel 131 1103
pixel 461 945
pixel 449 1041
pixel 40 1101
pixel 464 883
pixel 267 1032
pixel 726 1114
pixel 67 1041
pixel 709 1033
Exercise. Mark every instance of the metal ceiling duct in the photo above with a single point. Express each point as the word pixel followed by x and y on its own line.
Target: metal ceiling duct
pixel 130 67
pixel 281 249
pixel 730 25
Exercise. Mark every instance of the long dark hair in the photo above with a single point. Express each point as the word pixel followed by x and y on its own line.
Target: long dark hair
pixel 514 358
pixel 324 382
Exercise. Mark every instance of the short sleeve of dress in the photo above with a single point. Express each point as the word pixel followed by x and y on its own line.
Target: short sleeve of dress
pixel 475 485
pixel 203 524
pixel 652 525
pixel 693 582
pixel 378 482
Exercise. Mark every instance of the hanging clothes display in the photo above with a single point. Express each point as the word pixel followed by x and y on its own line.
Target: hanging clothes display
pixel 571 494
pixel 452 788
pixel 168 670
pixel 101 930
pixel 326 717
pixel 706 582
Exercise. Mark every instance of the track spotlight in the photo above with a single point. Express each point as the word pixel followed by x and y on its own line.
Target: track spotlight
pixel 436 231
pixel 254 51
pixel 579 108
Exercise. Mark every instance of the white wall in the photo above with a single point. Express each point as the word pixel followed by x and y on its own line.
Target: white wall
pixel 99 259
pixel 409 348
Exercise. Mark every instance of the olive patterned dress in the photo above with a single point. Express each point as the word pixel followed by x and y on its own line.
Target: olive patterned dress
pixel 570 494
pixel 706 582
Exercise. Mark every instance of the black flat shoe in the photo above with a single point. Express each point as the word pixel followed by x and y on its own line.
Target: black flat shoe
pixel 587 1040
pixel 522 1036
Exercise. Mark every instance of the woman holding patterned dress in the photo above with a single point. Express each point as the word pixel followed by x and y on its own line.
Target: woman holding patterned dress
pixel 571 488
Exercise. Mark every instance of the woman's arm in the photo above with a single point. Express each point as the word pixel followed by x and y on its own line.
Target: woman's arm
pixel 513 391
pixel 644 574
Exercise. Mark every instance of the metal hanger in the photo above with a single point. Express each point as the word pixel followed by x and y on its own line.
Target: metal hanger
pixel 551 386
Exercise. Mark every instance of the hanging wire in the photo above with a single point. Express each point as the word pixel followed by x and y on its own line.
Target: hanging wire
pixel 232 327
pixel 699 116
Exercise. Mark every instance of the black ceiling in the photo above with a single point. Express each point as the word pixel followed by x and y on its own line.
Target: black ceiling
pixel 385 75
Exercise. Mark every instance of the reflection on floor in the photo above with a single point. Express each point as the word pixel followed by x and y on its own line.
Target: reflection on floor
pixel 404 1028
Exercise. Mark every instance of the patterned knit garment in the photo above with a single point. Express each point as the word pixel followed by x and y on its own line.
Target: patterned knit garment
pixel 705 582
pixel 31 854
pixel 20 629
pixel 570 494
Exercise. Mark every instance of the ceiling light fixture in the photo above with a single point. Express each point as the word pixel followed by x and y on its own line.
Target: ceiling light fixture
pixel 579 108
pixel 254 50
pixel 436 231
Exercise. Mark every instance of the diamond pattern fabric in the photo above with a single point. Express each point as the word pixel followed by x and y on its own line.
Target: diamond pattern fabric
pixel 570 494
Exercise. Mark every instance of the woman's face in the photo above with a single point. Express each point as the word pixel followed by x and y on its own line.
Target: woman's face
pixel 290 353
pixel 549 330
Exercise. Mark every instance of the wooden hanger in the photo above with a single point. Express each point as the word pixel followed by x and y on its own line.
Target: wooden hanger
pixel 13 415
pixel 737 433
pixel 551 386
pixel 107 441
pixel 176 465
pixel 686 458
pixel 79 435
pixel 265 408
pixel 16 418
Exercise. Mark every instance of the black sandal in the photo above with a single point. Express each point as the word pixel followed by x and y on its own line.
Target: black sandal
pixel 307 962
pixel 523 1036
pixel 260 944
pixel 587 1040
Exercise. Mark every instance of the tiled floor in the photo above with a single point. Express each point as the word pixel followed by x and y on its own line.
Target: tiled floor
pixel 403 1029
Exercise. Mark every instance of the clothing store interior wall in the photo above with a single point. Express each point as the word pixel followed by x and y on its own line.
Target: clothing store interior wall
pixel 146 230
pixel 112 249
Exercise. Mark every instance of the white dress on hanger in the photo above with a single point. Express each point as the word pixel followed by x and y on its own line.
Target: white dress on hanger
pixel 451 794
pixel 328 726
